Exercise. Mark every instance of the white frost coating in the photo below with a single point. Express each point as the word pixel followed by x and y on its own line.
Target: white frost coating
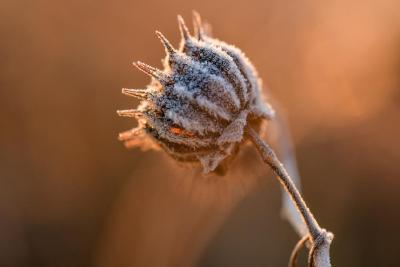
pixel 242 60
pixel 225 89
pixel 261 109
pixel 208 52
pixel 202 73
pixel 233 133
pixel 197 107
pixel 165 133
pixel 190 125
pixel 211 161
pixel 207 105
pixel 215 110
pixel 319 254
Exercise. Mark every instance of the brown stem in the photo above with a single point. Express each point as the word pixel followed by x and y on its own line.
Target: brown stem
pixel 300 244
pixel 319 237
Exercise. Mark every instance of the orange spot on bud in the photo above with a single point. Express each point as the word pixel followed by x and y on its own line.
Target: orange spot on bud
pixel 181 132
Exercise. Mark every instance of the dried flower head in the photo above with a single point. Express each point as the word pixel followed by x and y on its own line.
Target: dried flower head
pixel 196 108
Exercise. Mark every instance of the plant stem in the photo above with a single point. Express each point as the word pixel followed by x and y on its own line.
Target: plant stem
pixel 321 239
pixel 295 252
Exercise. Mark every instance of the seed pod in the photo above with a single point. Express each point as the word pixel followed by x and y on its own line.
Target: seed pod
pixel 196 108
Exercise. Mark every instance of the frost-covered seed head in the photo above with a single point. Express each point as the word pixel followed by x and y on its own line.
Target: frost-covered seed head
pixel 197 107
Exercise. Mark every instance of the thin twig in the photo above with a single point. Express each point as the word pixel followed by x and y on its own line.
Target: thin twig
pixel 296 250
pixel 321 240
pixel 319 252
pixel 279 134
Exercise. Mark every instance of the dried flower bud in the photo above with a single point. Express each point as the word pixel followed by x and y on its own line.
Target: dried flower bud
pixel 197 107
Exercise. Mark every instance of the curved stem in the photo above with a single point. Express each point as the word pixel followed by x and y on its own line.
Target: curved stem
pixel 269 157
pixel 300 244
pixel 319 237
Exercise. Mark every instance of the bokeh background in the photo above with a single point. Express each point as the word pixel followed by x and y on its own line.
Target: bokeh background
pixel 72 195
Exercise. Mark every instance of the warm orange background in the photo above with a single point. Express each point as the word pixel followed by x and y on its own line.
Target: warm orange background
pixel 71 195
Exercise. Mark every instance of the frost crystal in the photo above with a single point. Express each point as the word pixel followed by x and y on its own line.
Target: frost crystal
pixel 196 109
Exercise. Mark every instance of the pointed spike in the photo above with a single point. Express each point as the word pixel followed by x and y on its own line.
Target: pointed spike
pixel 133 113
pixel 130 134
pixel 183 28
pixel 207 29
pixel 196 17
pixel 149 70
pixel 168 47
pixel 198 28
pixel 133 143
pixel 142 94
pixel 153 72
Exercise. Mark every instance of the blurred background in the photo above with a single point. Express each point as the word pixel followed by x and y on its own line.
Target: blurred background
pixel 72 195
